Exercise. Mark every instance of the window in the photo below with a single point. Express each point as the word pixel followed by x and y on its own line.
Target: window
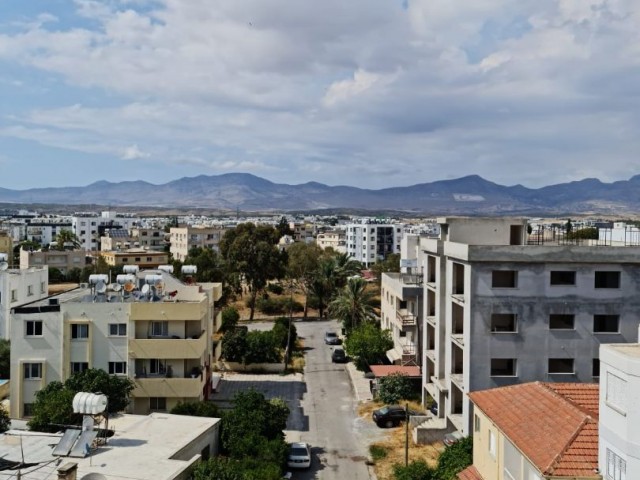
pixel 157 366
pixel 561 321
pixel 159 329
pixel 616 392
pixel 157 403
pixel 616 466
pixel 43 285
pixel 492 444
pixel 503 367
pixel 561 365
pixel 504 279
pixel 32 371
pixel 607 280
pixel 118 368
pixel 563 278
pixel 28 410
pixel 79 331
pixel 30 290
pixel 118 329
pixel 137 259
pixel 595 368
pixel 476 423
pixel 606 323
pixel 33 328
pixel 77 367
pixel 14 295
pixel 504 322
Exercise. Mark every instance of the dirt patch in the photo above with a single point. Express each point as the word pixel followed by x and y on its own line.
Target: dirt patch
pixel 61 287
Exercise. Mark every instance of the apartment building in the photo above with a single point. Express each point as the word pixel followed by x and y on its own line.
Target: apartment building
pixel 19 287
pixel 154 329
pixel 45 231
pixel 335 239
pixel 6 245
pixel 183 239
pixel 64 260
pixel 145 238
pixel 135 256
pixel 89 227
pixel 500 311
pixel 371 241
pixel 302 231
pixel 401 309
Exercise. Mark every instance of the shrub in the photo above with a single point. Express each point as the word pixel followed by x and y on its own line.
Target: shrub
pixel 196 409
pixel 230 318
pixel 454 459
pixel 278 306
pixel 377 452
pixel 280 331
pixel 416 470
pixel 394 387
pixel 275 288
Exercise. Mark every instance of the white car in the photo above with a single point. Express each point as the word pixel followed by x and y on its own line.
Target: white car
pixel 299 455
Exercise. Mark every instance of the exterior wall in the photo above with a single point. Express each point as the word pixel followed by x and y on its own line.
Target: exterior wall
pixel 367 242
pixel 619 418
pixel 184 239
pixel 144 259
pixel 18 287
pixel 401 312
pixel 6 245
pixel 336 240
pixel 88 227
pixel 45 233
pixel 62 260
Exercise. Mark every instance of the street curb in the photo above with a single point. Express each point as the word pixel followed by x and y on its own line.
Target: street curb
pixel 359 383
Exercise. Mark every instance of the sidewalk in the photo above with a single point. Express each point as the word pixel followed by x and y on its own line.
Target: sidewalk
pixel 359 383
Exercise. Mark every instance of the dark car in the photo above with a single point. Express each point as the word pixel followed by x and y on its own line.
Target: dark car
pixel 332 338
pixel 390 416
pixel 338 356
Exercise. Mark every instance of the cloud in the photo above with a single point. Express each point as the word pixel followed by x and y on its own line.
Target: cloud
pixel 364 92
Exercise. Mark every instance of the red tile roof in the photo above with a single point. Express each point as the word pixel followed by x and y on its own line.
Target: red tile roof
pixel 470 473
pixel 555 425
pixel 384 370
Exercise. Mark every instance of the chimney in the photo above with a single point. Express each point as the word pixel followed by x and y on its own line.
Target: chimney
pixel 68 471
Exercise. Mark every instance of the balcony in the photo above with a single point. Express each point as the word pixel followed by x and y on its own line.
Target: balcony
pixel 406 318
pixel 431 320
pixel 458 338
pixel 458 380
pixel 409 355
pixel 168 348
pixel 431 355
pixel 169 387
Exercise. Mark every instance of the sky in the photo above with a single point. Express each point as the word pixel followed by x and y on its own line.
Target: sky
pixel 369 93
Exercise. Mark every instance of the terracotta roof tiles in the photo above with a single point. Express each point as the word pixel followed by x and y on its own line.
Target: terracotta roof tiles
pixel 470 473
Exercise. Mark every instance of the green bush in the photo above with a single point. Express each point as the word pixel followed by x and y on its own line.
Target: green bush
pixel 250 347
pixel 275 288
pixel 280 331
pixel 196 409
pixel 454 459
pixel 416 470
pixel 278 306
pixel 230 318
pixel 394 387
pixel 377 452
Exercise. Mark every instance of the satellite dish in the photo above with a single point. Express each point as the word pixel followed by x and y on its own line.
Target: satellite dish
pixel 145 289
pixel 101 287
pixel 116 287
pixel 3 266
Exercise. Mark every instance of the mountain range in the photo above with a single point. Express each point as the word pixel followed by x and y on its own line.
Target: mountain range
pixel 470 195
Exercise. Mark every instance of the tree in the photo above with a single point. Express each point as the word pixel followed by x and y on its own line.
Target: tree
pixel 389 264
pixel 56 275
pixel 323 284
pixel 251 251
pixel 354 304
pixel 67 239
pixel 454 459
pixel 230 318
pixel 416 470
pixel 53 405
pixel 283 228
pixel 5 358
pixel 197 409
pixel 302 267
pixel 367 344
pixel 394 387
pixel 345 268
pixel 226 469
pixel 211 267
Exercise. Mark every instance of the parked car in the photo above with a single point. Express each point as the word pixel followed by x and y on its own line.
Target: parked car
pixel 451 438
pixel 390 416
pixel 332 338
pixel 339 356
pixel 299 455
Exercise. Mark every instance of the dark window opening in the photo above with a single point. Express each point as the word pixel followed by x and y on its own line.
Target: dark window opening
pixel 563 278
pixel 503 367
pixel 561 365
pixel 503 322
pixel 561 321
pixel 606 323
pixel 504 279
pixel 607 280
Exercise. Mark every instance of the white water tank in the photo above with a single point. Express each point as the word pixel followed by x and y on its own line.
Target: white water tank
pixel 166 268
pixel 100 277
pixel 189 269
pixel 130 269
pixel 153 279
pixel 89 403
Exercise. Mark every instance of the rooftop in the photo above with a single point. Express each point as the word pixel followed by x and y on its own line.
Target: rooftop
pixel 555 425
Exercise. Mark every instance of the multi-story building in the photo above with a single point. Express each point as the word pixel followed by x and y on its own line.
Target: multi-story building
pixel 136 256
pixel 19 287
pixel 158 334
pixel 184 239
pixel 6 245
pixel 401 306
pixel 370 241
pixel 63 260
pixel 302 231
pixel 500 311
pixel 335 239
pixel 150 238
pixel 44 231
pixel 89 228
pixel 144 238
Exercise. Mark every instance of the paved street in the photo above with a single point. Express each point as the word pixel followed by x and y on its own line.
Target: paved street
pixel 323 408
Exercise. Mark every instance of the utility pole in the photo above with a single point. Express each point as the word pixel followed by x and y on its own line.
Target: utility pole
pixel 406 435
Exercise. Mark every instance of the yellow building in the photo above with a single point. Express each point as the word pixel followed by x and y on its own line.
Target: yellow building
pixel 145 259
pixel 6 245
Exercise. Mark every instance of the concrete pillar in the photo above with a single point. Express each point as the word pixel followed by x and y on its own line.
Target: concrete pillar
pixel 68 471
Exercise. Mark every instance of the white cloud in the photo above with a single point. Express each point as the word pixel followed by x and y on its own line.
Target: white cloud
pixel 132 152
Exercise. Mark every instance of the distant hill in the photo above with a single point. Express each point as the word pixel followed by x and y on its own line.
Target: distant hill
pixel 472 195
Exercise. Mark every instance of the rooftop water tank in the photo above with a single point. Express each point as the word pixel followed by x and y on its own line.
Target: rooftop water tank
pixel 89 403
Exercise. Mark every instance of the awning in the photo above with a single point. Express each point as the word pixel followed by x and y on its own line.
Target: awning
pixel 384 370
pixel 393 355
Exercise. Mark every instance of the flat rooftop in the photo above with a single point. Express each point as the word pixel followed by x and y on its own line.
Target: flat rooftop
pixel 630 349
pixel 141 449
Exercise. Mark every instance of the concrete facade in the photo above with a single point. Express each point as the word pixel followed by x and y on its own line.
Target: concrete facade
pixel 162 342
pixel 46 232
pixel 19 287
pixel 500 312
pixel 6 245
pixel 183 239
pixel 371 242
pixel 90 227
pixel 619 416
pixel 136 256
pixel 62 260
pixel 336 239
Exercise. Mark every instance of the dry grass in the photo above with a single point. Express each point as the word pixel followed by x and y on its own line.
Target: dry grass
pixel 394 445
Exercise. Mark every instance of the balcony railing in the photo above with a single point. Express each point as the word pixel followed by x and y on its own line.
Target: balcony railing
pixel 168 348
pixel 169 387
pixel 406 318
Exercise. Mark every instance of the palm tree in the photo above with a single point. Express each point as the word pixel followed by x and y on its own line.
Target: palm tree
pixel 354 304
pixel 65 238
pixel 323 283
pixel 345 268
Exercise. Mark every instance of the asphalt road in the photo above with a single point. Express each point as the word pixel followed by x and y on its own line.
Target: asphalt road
pixel 331 426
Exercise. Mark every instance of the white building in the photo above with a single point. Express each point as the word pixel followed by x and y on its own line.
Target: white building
pixel 184 239
pixel 160 338
pixel 335 239
pixel 619 415
pixel 20 287
pixel 45 231
pixel 498 311
pixel 90 227
pixel 369 242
